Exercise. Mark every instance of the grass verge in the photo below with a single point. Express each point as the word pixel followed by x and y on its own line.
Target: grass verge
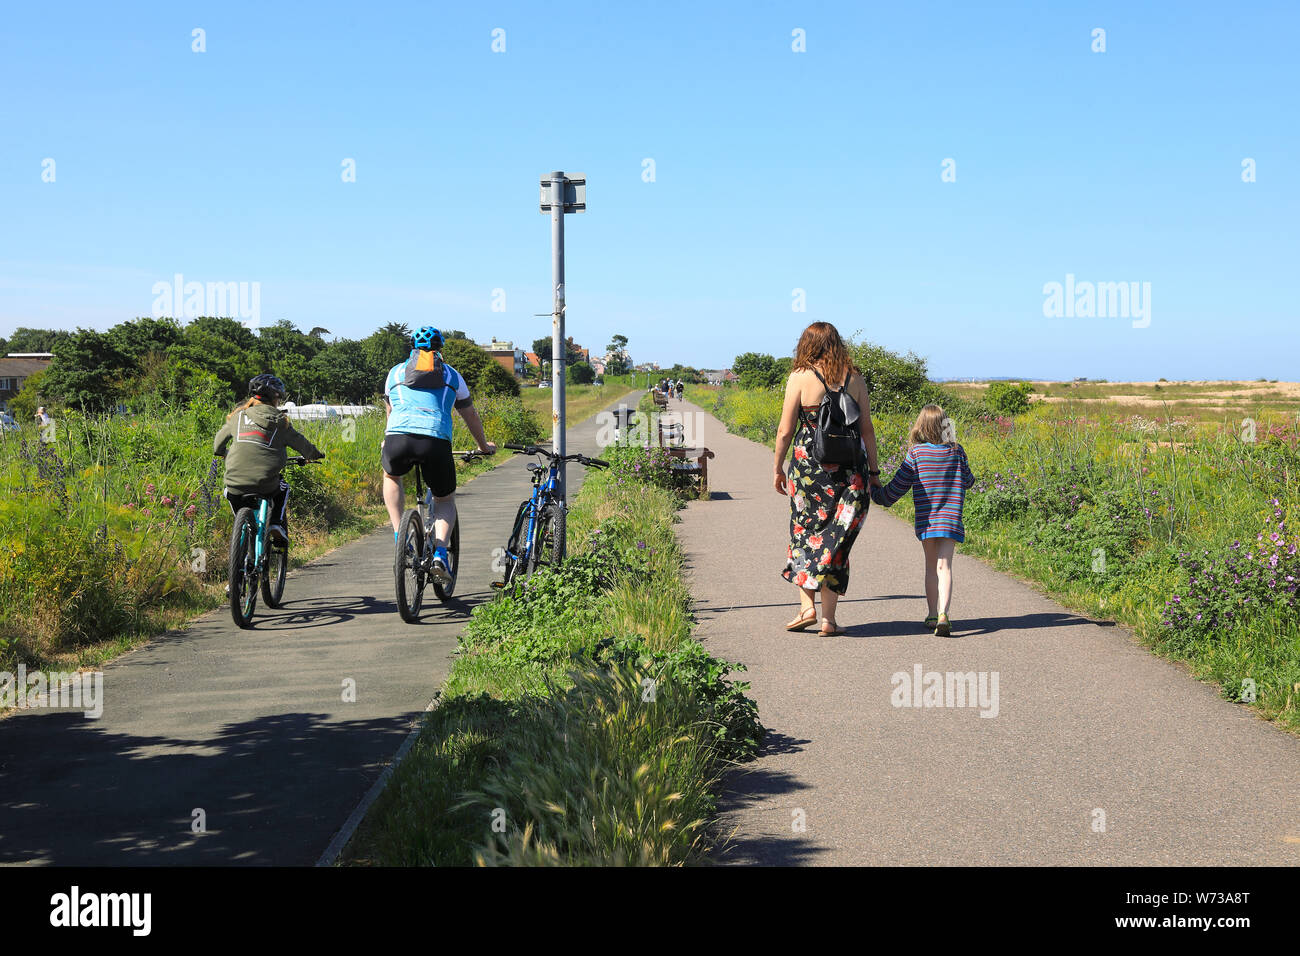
pixel 580 724
pixel 582 401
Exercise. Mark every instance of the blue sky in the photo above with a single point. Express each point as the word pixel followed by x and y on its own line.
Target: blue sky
pixel 774 171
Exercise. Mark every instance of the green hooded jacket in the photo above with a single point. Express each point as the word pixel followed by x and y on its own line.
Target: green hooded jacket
pixel 260 434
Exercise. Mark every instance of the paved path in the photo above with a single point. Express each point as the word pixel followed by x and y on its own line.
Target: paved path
pixel 250 726
pixel 1088 719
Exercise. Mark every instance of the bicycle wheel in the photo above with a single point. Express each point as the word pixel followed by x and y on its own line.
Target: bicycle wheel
pixel 546 544
pixel 243 567
pixel 453 557
pixel 277 566
pixel 408 566
pixel 515 545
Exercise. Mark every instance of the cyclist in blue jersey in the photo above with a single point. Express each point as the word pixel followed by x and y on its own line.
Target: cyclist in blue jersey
pixel 419 395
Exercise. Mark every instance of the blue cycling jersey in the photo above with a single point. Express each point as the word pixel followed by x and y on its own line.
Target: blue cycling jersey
pixel 422 411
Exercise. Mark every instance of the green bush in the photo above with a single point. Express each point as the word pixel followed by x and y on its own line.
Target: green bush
pixel 495 380
pixel 896 383
pixel 1008 398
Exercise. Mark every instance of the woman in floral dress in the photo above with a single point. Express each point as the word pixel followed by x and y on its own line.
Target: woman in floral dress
pixel 827 502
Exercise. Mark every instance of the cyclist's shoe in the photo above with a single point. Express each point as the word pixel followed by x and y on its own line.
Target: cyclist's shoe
pixel 440 568
pixel 278 536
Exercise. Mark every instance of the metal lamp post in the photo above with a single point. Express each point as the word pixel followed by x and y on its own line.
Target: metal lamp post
pixel 560 194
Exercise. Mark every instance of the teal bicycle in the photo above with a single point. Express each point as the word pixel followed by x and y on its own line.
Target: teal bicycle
pixel 255 562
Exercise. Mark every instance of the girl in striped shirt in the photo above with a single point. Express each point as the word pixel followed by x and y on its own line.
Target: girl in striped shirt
pixel 936 472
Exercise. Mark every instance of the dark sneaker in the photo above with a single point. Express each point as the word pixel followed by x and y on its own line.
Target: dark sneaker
pixel 278 536
pixel 440 568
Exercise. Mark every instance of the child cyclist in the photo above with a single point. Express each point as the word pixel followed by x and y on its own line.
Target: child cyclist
pixel 935 470
pixel 255 461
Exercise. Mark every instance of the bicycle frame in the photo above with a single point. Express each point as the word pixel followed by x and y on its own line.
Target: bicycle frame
pixel 544 489
pixel 263 531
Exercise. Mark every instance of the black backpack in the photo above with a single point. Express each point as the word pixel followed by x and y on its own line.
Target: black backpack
pixel 837 437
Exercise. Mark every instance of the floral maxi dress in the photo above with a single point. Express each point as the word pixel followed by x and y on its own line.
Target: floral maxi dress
pixel 827 506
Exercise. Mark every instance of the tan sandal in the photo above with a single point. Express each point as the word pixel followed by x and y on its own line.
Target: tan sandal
pixel 835 629
pixel 802 622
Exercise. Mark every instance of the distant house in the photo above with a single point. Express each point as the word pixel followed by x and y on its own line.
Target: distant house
pixel 16 368
pixel 507 356
pixel 717 376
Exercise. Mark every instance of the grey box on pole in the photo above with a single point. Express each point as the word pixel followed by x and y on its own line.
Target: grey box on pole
pixel 575 193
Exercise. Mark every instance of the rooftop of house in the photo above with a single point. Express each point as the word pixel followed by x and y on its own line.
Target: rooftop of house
pixel 22 365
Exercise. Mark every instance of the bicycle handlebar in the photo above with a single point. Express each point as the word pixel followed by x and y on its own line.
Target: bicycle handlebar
pixel 536 450
pixel 302 460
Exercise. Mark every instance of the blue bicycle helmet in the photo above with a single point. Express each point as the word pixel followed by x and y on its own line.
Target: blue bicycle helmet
pixel 427 338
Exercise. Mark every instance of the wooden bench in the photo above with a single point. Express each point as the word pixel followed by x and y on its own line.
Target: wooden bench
pixel 659 398
pixel 673 433
pixel 691 463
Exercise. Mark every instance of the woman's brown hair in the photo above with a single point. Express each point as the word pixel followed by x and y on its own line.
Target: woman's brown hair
pixel 928 427
pixel 251 400
pixel 821 347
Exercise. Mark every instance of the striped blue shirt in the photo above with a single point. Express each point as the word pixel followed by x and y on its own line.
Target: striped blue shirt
pixel 937 476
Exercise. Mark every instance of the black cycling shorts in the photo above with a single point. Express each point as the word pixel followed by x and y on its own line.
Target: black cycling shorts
pixel 438 469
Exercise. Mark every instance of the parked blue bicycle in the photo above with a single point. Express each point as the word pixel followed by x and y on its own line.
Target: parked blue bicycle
pixel 537 537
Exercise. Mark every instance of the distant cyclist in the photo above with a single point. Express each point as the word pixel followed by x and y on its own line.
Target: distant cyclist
pixel 255 462
pixel 419 395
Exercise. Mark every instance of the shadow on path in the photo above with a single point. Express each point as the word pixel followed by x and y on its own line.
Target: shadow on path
pixel 143 791
pixel 771 794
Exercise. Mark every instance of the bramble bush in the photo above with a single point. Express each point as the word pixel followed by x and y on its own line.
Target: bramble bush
pixel 1238 583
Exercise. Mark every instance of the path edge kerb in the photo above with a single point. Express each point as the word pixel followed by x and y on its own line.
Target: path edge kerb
pixel 343 837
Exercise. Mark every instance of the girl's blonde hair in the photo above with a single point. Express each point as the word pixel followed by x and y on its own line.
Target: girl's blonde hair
pixel 929 427
pixel 246 403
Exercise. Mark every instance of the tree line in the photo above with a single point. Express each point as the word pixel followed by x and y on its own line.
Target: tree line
pixel 146 361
